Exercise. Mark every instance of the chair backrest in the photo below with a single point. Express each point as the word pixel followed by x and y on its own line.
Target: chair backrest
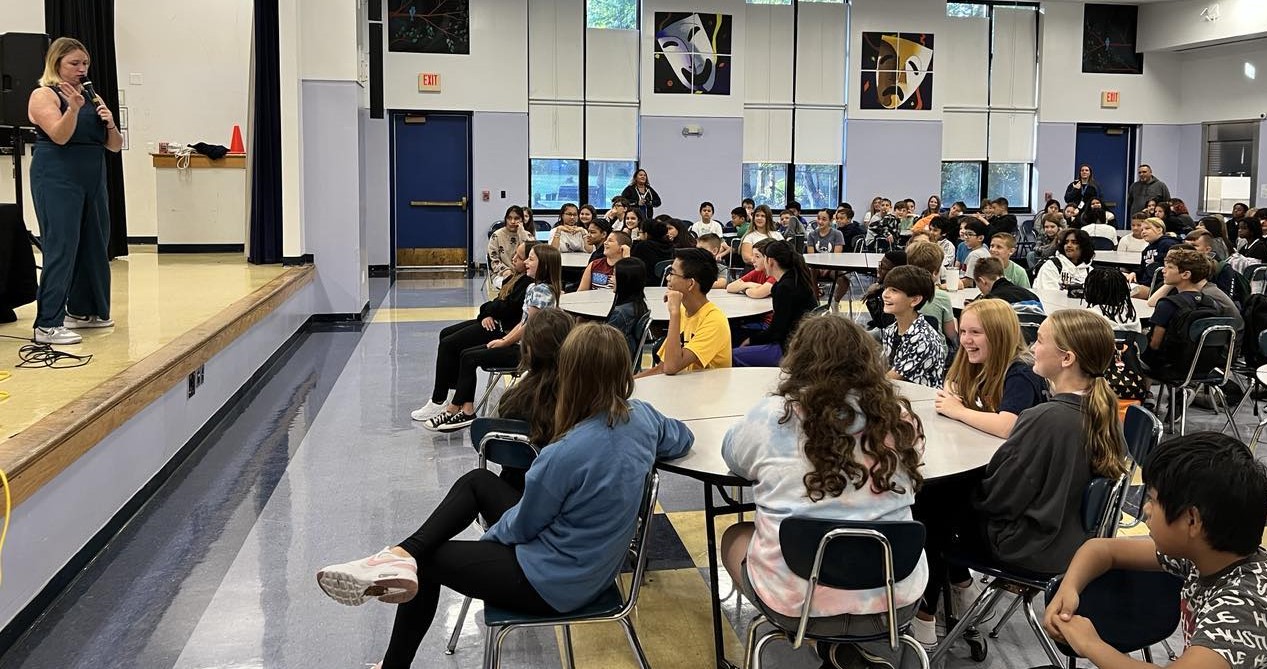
pixel 643 328
pixel 1102 243
pixel 503 441
pixel 1257 276
pixel 1142 431
pixel 1216 346
pixel 1100 504
pixel 858 243
pixel 661 271
pixel 495 226
pixel 850 555
pixel 642 537
pixel 1131 610
pixel 1158 279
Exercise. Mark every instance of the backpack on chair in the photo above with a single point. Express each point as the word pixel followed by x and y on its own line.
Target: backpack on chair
pixel 1255 323
pixel 1172 360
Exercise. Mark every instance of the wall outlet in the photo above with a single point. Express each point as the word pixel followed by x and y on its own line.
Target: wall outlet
pixel 196 378
pixel 136 79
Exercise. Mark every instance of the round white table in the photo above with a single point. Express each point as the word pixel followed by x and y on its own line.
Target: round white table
pixel 1053 301
pixel 597 303
pixel 1126 259
pixel 575 260
pixel 852 262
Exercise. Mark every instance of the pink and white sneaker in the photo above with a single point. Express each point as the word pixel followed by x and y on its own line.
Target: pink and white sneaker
pixel 387 576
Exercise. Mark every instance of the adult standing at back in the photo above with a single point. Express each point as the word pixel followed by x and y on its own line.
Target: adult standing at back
pixel 1082 189
pixel 1147 188
pixel 68 186
pixel 640 195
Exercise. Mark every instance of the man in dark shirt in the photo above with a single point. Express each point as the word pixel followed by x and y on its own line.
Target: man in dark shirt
pixel 1147 188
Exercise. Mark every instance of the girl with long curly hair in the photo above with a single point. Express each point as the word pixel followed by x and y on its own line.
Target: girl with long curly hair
pixel 835 441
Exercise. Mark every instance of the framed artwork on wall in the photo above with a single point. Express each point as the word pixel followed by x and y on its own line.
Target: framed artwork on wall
pixel 692 53
pixel 1108 40
pixel 429 26
pixel 897 71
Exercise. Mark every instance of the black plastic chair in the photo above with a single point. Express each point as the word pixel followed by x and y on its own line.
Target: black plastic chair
pixel 643 328
pixel 610 606
pixel 1210 369
pixel 1102 243
pixel 661 271
pixel 1131 610
pixel 1099 519
pixel 1143 431
pixel 505 442
pixel 849 555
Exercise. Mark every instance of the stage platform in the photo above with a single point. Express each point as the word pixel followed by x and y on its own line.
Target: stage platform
pixel 167 309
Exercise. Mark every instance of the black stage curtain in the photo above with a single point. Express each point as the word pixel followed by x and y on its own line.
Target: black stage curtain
pixel 266 139
pixel 92 22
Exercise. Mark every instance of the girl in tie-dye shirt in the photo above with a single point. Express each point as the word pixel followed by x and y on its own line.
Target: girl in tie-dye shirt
pixel 835 441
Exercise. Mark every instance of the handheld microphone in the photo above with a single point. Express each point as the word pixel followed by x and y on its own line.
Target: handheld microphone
pixel 93 97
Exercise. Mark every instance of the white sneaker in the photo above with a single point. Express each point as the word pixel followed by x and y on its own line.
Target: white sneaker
pixel 385 575
pixel 87 322
pixel 58 335
pixel 427 412
pixel 925 632
pixel 964 597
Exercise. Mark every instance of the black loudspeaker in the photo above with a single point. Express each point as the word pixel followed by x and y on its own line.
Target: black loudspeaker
pixel 376 70
pixel 21 65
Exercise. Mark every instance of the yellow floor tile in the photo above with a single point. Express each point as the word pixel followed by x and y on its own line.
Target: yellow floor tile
pixel 154 299
pixel 690 528
pixel 673 623
pixel 421 314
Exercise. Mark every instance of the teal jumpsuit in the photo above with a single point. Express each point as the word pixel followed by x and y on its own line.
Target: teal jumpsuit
pixel 68 186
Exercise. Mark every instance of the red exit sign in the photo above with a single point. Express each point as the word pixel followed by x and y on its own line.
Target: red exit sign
pixel 1110 99
pixel 429 82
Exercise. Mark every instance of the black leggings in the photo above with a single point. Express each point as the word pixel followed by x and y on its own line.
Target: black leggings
pixel 463 350
pixel 483 570
pixel 945 508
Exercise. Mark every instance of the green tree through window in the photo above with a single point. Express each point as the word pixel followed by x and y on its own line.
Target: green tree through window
pixel 612 14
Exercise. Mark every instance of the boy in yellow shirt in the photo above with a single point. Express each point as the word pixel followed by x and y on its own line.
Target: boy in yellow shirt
pixel 699 335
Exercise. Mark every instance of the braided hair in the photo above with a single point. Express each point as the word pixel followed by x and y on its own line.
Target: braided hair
pixel 1106 288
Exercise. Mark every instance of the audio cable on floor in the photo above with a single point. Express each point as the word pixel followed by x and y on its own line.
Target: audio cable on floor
pixel 35 355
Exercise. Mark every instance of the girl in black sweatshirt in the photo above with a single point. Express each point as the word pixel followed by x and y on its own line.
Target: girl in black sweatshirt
pixel 793 296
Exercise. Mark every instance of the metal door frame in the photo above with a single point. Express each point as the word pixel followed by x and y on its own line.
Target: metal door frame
pixel 392 115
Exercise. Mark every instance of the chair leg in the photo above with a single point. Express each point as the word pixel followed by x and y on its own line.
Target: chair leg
pixel 1043 639
pixel 1218 393
pixel 492 648
pixel 632 635
pixel 752 638
pixel 569 660
pixel 754 659
pixel 1016 603
pixel 916 648
pixel 1253 440
pixel 479 408
pixel 457 626
pixel 1148 654
pixel 985 601
pixel 1170 652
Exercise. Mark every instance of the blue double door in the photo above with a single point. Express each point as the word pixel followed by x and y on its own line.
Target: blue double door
pixel 431 208
pixel 1110 151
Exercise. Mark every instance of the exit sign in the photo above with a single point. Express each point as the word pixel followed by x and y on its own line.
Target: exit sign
pixel 429 82
pixel 1110 99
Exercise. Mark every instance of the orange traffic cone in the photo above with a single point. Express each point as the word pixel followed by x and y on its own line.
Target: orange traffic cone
pixel 235 145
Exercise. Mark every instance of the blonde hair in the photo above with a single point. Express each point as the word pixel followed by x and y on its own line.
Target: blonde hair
pixel 981 385
pixel 1155 222
pixel 53 61
pixel 1089 337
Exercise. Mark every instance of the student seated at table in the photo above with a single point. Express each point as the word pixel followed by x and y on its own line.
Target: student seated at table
pixel 599 273
pixel 973 233
pixel 913 349
pixel 1222 274
pixel 992 284
pixel 616 214
pixel 1025 509
pixel 824 238
pixel 928 256
pixel 1153 257
pixel 740 221
pixel 756 283
pixel 1205 504
pixel 938 230
pixel 458 370
pixel 873 299
pixel 1184 273
pixel 596 231
pixel 630 303
pixel 1002 246
pixel 720 252
pixel 1134 242
pixel 698 334
pixel 655 246
pixel 762 228
pixel 568 236
pixel 496 317
pixel 992 379
pixel 552 548
pixel 533 398
pixel 835 441
pixel 1107 293
pixel 503 243
pixel 793 298
pixel 706 225
pixel 1069 266
pixel 1048 243
pixel 1227 308
pixel 633 224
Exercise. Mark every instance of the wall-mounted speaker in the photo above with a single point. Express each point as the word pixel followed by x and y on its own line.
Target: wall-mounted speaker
pixel 21 65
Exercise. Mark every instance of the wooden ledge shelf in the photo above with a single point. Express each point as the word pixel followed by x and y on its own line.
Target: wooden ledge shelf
pixel 39 453
pixel 197 161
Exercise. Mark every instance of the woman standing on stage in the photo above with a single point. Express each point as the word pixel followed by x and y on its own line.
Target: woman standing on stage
pixel 68 185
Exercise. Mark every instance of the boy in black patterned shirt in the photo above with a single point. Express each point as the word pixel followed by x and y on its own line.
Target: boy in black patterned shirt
pixel 1206 506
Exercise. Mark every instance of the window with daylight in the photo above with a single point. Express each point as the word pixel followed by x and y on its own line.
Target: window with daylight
pixel 967 10
pixel 554 182
pixel 768 2
pixel 1009 180
pixel 611 14
pixel 971 181
pixel 961 182
pixel 766 183
pixel 816 187
pixel 607 178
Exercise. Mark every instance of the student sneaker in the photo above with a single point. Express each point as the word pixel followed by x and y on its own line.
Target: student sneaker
pixel 57 336
pixel 385 575
pixel 428 411
pixel 455 421
pixel 925 632
pixel 73 322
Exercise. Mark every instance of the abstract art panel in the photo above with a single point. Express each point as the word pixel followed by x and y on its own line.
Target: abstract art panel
pixel 429 26
pixel 1108 40
pixel 692 53
pixel 897 71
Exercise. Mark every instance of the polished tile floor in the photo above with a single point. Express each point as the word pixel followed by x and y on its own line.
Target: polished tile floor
pixel 321 464
pixel 155 298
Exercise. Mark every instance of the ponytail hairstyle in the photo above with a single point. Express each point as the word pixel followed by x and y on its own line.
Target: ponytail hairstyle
pixel 1106 288
pixel 1090 339
pixel 549 268
pixel 791 263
